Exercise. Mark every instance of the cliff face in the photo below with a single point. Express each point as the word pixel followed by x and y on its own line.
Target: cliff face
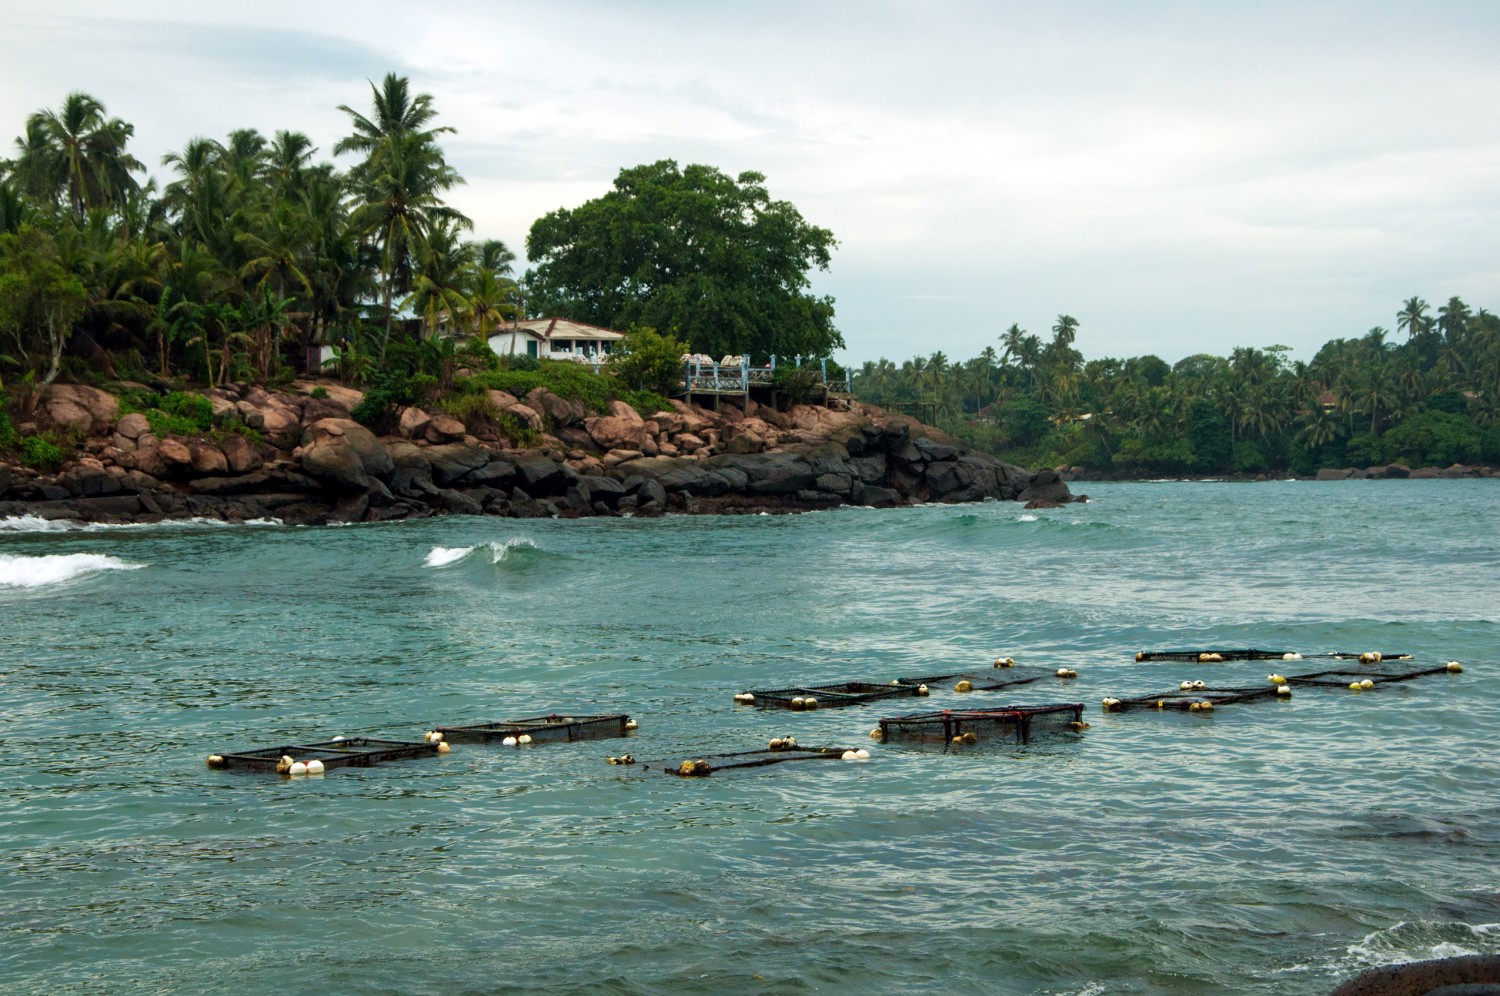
pixel 313 464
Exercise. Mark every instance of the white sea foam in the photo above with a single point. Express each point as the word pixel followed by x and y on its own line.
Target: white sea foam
pixel 36 524
pixel 1026 518
pixel 442 556
pixel 17 571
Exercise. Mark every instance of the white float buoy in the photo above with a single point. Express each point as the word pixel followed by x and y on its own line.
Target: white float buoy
pixel 215 761
pixel 297 768
pixel 1110 704
pixel 809 703
pixel 1186 686
pixel 1454 667
pixel 443 748
pixel 338 740
pixel 509 741
pixel 1367 684
pixel 631 724
pixel 314 767
pixel 1199 686
pixel 1285 691
pixel 524 738
pixel 864 755
pixel 875 734
pixel 849 755
pixel 922 690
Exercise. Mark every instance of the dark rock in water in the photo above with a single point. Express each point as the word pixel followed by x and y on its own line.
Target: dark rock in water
pixel 452 461
pixel 1045 485
pixel 541 476
pixel 876 497
pixel 1465 975
pixel 603 489
pixel 459 503
pixel 1045 503
pixel 1334 474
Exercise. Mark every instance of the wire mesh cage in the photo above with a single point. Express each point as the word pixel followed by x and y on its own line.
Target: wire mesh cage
pixel 830 696
pixel 702 765
pixel 1195 700
pixel 1377 674
pixel 337 753
pixel 541 729
pixel 1220 656
pixel 1204 699
pixel 973 726
pixel 992 680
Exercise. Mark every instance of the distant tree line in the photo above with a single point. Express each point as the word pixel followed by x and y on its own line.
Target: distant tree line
pixel 1430 400
pixel 253 248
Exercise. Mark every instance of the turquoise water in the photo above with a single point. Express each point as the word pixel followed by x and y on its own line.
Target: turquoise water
pixel 1267 848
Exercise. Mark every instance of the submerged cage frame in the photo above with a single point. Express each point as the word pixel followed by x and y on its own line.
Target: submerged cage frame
pixel 554 728
pixel 739 760
pixel 353 752
pixel 985 681
pixel 1196 700
pixel 831 696
pixel 949 723
pixel 1224 656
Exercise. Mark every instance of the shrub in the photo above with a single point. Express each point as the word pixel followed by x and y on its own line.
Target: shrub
pixel 40 453
pixel 7 431
pixel 318 392
pixel 517 431
pixel 390 393
pixel 646 360
pixel 798 385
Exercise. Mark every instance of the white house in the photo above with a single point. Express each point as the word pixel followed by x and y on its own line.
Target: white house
pixel 554 339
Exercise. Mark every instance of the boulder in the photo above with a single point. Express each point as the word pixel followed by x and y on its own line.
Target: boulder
pixel 562 412
pixel 343 455
pixel 413 422
pixel 207 458
pixel 619 409
pixel 241 456
pixel 132 426
pixel 78 406
pixel 444 429
pixel 612 432
pixel 542 476
pixel 452 461
pixel 1046 485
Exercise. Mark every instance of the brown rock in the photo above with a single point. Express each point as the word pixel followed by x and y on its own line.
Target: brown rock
pixel 444 429
pixel 80 406
pixel 413 422
pixel 240 454
pixel 343 454
pixel 502 399
pixel 562 411
pixel 528 416
pixel 613 432
pixel 620 409
pixel 133 426
pixel 207 459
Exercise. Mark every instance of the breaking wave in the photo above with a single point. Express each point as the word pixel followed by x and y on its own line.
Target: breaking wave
pixel 18 571
pixel 37 524
pixel 443 556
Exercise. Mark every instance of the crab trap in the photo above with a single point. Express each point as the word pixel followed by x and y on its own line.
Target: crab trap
pixel 1220 656
pixel 1198 700
pixel 358 752
pixel 833 696
pixel 973 726
pixel 710 764
pixel 556 728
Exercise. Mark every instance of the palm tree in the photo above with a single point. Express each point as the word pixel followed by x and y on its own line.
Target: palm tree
pixel 75 156
pixel 396 114
pixel 1413 318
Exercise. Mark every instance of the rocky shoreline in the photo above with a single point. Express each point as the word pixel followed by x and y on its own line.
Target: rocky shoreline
pixel 305 461
pixel 1383 472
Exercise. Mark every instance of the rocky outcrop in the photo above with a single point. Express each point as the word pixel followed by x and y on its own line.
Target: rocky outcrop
pixel 307 461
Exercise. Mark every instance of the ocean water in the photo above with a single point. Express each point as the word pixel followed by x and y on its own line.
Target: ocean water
pixel 1266 848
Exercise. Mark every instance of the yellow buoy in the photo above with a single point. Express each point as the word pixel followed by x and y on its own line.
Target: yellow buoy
pixel 443 748
pixel 964 686
pixel 809 703
pixel 1140 655
pixel 215 761
pixel 1079 725
pixel 631 724
pixel 685 768
pixel 284 765
pixel 1206 707
pixel 922 690
pixel 701 767
pixel 970 739
pixel 875 734
pixel 1276 679
pixel 1161 704
pixel 1454 667
pixel 1194 706
pixel 1367 684
pixel 1355 686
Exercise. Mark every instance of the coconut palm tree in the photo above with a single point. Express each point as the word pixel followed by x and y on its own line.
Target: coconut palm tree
pixel 75 156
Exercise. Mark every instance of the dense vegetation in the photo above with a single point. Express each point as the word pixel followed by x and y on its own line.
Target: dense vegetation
pixel 1428 401
pixel 252 250
pixel 706 257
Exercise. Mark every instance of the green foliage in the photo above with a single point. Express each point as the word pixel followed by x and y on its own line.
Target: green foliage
pixel 706 257
pixel 798 385
pixel 1434 438
pixel 1025 421
pixel 319 392
pixel 645 360
pixel 178 413
pixel 1249 459
pixel 519 362
pixel 41 453
pixel 381 406
pixel 1209 437
pixel 562 377
pixel 518 432
pixel 7 430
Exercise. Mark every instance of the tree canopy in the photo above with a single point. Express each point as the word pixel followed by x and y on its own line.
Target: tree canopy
pixel 710 259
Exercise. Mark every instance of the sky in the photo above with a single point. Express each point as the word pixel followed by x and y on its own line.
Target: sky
pixel 1179 177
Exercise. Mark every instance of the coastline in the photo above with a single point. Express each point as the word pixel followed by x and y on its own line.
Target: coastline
pixel 300 458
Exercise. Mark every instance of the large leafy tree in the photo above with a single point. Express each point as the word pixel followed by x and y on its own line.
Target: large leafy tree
pixel 706 257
